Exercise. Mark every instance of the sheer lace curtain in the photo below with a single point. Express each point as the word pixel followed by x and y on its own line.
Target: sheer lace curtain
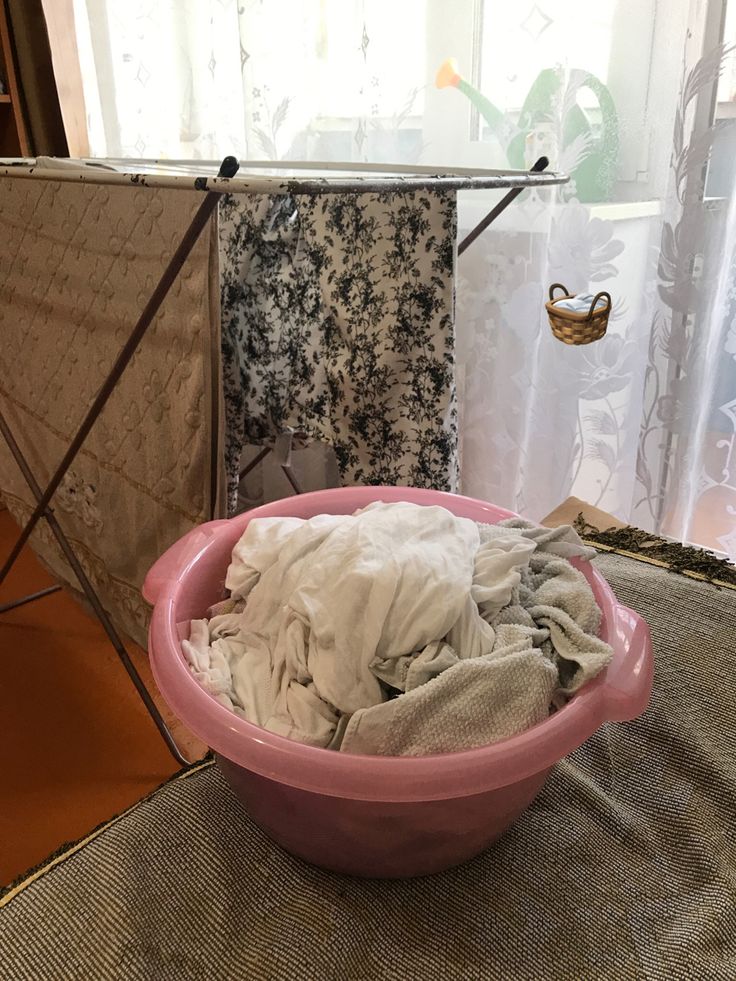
pixel 635 101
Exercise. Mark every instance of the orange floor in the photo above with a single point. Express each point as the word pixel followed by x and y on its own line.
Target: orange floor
pixel 76 744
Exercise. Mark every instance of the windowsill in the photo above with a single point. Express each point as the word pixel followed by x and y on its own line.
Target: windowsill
pixel 519 217
pixel 624 210
pixel 726 110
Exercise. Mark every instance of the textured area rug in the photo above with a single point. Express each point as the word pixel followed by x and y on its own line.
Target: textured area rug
pixel 622 868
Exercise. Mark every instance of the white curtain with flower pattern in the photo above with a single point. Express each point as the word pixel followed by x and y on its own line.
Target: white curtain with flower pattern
pixel 635 101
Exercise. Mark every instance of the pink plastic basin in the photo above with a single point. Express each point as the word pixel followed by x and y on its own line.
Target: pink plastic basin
pixel 377 816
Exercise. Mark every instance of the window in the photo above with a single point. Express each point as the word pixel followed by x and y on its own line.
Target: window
pixel 720 170
pixel 603 58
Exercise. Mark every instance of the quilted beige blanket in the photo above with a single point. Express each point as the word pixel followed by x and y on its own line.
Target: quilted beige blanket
pixel 77 264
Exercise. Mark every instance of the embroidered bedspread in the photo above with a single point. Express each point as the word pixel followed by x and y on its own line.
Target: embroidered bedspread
pixel 77 264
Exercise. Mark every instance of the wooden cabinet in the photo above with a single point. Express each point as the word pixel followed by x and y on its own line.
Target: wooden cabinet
pixel 13 129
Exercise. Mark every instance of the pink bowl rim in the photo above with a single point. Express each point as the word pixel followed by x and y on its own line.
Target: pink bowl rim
pixel 400 778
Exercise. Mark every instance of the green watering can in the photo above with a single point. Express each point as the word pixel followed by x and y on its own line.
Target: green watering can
pixel 595 173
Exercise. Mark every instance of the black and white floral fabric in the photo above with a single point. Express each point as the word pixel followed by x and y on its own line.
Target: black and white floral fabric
pixel 338 322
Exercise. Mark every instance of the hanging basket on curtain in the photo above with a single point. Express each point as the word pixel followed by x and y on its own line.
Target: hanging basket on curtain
pixel 577 327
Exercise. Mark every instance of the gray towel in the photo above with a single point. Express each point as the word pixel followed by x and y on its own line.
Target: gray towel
pixel 543 647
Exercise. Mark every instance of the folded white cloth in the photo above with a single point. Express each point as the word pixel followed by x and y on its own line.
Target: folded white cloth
pixel 468 622
pixel 580 303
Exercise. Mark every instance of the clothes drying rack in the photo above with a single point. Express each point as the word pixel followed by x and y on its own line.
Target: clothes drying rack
pixel 345 179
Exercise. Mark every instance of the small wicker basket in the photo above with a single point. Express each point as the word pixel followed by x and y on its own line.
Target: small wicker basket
pixel 577 328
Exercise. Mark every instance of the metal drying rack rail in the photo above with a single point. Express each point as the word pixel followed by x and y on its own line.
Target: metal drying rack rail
pixel 177 174
pixel 344 179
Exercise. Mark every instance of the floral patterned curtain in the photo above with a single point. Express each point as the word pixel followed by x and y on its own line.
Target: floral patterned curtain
pixel 635 101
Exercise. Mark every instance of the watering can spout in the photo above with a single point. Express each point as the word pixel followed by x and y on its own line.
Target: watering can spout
pixel 594 148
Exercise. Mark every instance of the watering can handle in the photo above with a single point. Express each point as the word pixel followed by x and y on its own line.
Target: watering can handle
pixel 558 286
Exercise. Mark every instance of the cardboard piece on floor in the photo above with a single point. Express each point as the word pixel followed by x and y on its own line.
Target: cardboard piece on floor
pixel 567 512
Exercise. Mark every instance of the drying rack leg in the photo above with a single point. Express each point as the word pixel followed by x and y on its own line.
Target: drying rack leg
pixel 228 168
pixel 502 205
pixel 89 592
pixel 254 462
pixel 14 604
pixel 291 478
pixel 262 456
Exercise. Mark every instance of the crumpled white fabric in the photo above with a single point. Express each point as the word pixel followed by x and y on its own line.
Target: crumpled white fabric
pixel 342 612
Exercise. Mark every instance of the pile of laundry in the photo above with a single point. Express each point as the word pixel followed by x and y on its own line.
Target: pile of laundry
pixel 400 629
